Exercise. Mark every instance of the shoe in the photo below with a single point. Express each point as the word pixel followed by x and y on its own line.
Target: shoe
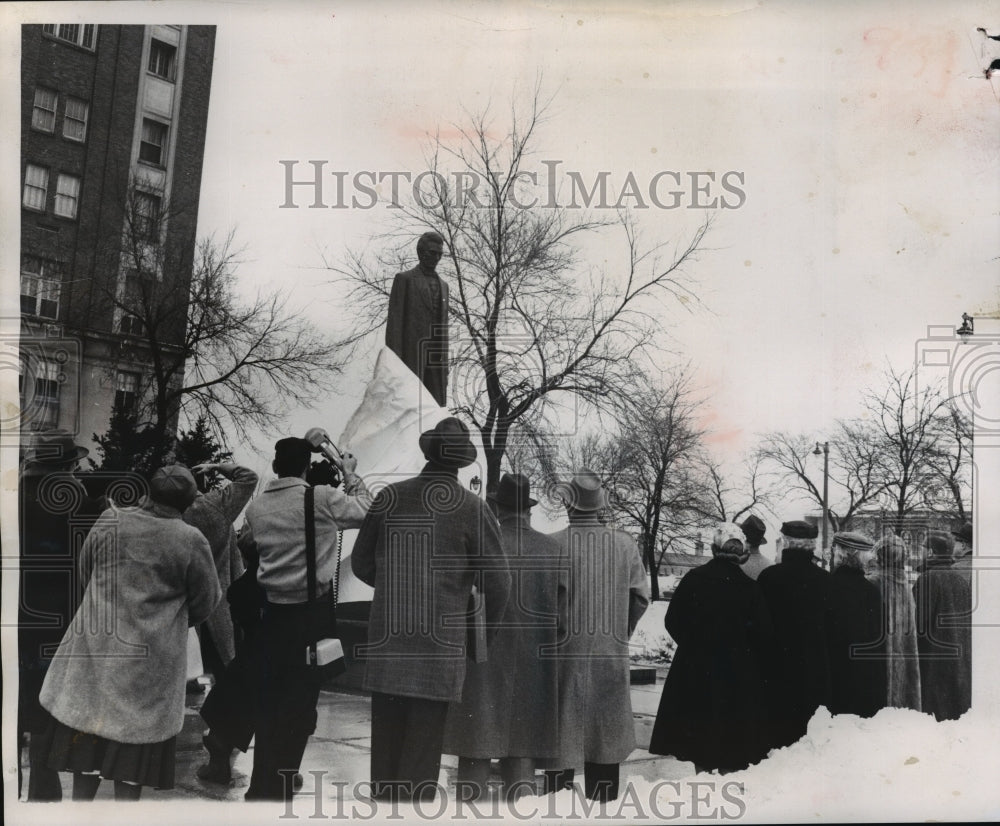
pixel 218 768
pixel 214 773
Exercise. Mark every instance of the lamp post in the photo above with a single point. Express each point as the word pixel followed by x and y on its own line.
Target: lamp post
pixel 826 489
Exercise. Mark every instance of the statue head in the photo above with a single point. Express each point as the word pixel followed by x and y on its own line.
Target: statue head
pixel 430 248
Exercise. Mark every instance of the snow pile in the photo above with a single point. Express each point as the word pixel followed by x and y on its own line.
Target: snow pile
pixel 899 764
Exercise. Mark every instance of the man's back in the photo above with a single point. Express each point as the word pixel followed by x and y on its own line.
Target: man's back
pixel 420 548
pixel 854 631
pixel 797 592
pixel 943 600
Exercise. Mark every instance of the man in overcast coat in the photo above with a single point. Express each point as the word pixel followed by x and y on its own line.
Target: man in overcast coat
pixel 422 546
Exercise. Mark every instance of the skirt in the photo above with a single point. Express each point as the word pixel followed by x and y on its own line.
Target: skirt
pixel 147 764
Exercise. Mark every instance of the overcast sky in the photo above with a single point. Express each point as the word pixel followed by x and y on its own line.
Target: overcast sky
pixel 864 133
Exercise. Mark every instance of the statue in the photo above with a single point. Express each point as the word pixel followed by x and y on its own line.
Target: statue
pixel 417 327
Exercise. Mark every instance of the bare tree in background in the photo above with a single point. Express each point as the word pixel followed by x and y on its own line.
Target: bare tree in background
pixel 950 464
pixel 856 468
pixel 908 423
pixel 203 351
pixel 724 497
pixel 910 453
pixel 533 327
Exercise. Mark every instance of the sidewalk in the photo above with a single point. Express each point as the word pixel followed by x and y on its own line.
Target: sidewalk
pixel 341 746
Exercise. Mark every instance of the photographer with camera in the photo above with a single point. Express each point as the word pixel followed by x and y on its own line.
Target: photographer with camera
pixel 288 686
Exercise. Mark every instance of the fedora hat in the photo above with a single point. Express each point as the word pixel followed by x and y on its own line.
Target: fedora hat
pixel 448 444
pixel 753 529
pixel 584 492
pixel 964 533
pixel 514 492
pixel 54 448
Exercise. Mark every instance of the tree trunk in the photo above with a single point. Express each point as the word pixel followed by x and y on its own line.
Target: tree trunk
pixel 649 556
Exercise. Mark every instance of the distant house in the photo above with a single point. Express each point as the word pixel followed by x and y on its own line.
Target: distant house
pixel 678 564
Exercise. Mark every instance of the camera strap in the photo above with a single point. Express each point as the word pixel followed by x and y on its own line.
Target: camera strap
pixel 310 507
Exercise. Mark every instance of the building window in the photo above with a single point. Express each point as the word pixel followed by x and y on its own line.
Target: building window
pixel 153 142
pixel 126 391
pixel 44 406
pixel 162 59
pixel 136 295
pixel 43 115
pixel 146 220
pixel 75 119
pixel 67 195
pixel 81 35
pixel 40 285
pixel 36 185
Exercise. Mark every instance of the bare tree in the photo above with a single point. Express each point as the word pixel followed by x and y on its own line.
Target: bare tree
pixel 724 500
pixel 948 484
pixel 531 325
pixel 856 468
pixel 650 464
pixel 907 421
pixel 205 351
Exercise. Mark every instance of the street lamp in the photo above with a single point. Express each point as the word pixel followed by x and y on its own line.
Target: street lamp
pixel 826 488
pixel 968 327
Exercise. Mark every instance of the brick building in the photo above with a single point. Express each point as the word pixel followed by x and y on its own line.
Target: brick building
pixel 113 125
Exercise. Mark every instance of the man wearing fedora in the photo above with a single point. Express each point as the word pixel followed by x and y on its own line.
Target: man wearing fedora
pixel 796 591
pixel 606 592
pixel 424 543
pixel 54 506
pixel 508 705
pixel 942 597
pixel 963 549
pixel 754 529
pixel 854 630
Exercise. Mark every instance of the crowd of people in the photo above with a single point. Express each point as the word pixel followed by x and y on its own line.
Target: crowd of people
pixel 760 646
pixel 487 639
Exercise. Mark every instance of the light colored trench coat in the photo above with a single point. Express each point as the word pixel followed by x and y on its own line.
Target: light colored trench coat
pixel 606 593
pixel 119 670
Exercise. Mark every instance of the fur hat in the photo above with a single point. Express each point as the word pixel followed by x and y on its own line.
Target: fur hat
pixel 799 535
pixel 448 444
pixel 173 485
pixel 728 542
pixel 891 551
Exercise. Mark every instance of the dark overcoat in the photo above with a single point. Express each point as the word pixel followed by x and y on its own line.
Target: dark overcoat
pixel 797 592
pixel 422 545
pixel 713 708
pixel 55 515
pixel 604 592
pixel 856 643
pixel 417 328
pixel 508 706
pixel 943 599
